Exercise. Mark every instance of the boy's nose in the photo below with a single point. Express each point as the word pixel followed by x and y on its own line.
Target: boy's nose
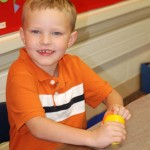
pixel 46 39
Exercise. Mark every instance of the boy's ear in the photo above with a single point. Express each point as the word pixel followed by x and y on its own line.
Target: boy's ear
pixel 22 35
pixel 73 38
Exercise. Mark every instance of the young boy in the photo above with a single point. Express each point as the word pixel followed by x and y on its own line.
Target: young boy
pixel 47 89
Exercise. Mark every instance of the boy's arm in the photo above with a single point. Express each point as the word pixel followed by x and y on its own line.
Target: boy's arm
pixel 46 129
pixel 101 137
pixel 113 98
pixel 114 103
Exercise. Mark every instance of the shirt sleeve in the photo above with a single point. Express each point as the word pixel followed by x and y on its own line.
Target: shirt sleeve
pixel 23 100
pixel 96 89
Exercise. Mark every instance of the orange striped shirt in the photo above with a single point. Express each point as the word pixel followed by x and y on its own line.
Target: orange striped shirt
pixel 31 92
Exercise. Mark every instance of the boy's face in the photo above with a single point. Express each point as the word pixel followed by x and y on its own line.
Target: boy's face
pixel 46 35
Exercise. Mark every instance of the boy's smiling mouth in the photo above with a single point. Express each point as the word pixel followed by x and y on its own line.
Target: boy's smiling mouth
pixel 45 52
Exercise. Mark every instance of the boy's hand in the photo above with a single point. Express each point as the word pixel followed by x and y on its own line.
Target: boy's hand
pixel 120 110
pixel 108 133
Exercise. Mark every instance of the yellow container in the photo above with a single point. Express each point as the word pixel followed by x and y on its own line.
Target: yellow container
pixel 116 118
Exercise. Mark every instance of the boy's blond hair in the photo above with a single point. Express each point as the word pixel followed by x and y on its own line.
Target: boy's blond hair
pixel 62 5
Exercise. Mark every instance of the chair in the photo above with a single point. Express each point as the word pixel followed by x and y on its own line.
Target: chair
pixel 96 119
pixel 4 124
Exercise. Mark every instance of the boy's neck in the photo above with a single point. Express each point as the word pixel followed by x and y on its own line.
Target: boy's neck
pixel 53 71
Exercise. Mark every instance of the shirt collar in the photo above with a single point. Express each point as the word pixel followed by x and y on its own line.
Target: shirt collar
pixel 41 74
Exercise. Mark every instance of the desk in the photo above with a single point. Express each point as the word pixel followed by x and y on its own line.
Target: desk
pixel 138 128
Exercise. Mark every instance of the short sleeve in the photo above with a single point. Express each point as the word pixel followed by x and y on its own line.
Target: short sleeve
pixel 96 89
pixel 22 99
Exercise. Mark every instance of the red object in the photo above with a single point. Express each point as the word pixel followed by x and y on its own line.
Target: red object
pixel 85 5
pixel 10 20
pixel 6 16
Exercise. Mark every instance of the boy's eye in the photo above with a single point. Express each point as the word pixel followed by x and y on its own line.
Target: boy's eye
pixel 35 31
pixel 56 33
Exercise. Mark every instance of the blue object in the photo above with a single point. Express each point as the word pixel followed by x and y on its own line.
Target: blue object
pixel 16 7
pixel 4 124
pixel 96 119
pixel 145 77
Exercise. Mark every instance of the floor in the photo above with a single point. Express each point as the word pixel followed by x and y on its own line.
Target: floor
pixel 133 97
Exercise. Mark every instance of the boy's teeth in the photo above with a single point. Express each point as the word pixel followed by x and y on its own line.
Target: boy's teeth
pixel 44 50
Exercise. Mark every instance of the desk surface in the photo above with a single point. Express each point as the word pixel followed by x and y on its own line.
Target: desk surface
pixel 138 128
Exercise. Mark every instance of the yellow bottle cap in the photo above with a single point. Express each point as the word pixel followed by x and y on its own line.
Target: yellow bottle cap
pixel 114 117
